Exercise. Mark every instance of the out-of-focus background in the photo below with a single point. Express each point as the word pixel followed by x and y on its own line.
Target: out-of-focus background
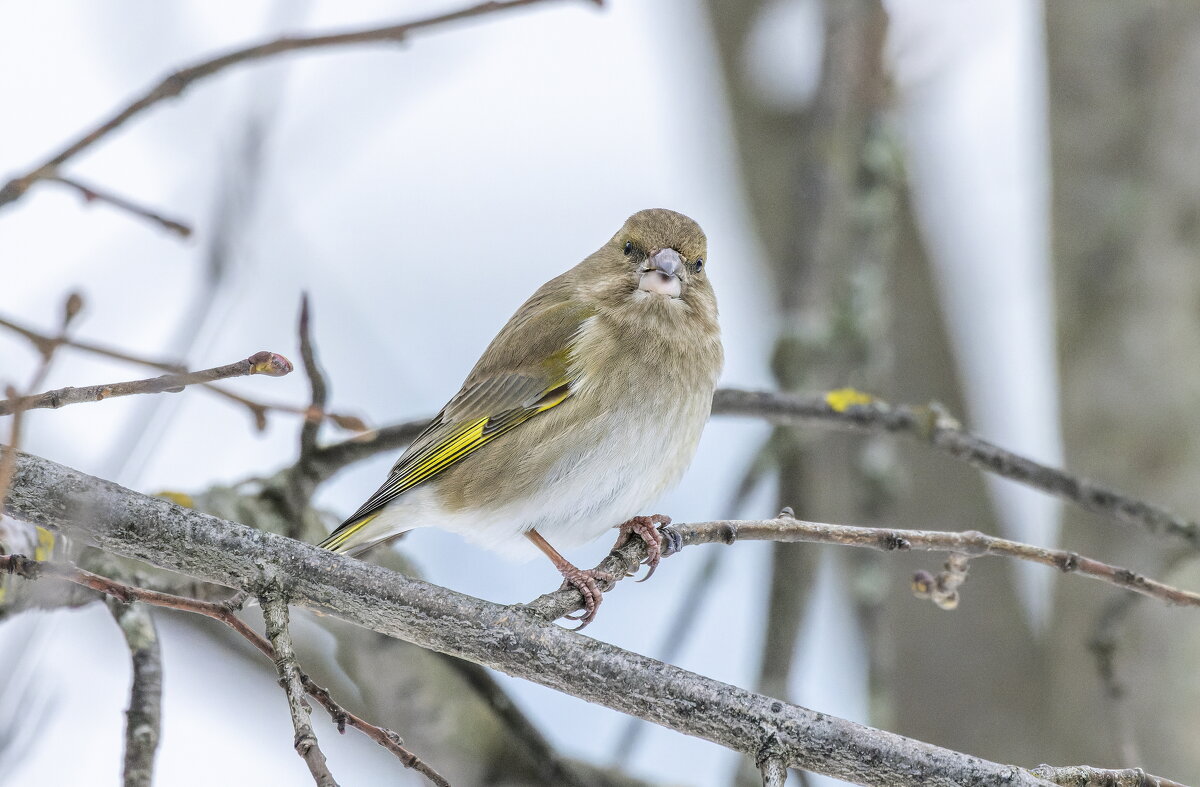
pixel 990 204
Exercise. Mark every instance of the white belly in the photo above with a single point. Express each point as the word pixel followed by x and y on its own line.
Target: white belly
pixel 617 472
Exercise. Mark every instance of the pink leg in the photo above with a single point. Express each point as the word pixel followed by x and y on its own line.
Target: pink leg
pixel 587 582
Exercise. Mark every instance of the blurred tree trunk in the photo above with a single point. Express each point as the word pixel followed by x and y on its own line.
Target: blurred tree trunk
pixel 859 308
pixel 821 186
pixel 1125 124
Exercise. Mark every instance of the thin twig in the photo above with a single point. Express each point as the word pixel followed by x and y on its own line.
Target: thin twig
pixel 275 615
pixel 300 481
pixel 552 606
pixel 175 83
pixel 263 362
pixel 224 612
pixel 316 381
pixel 933 425
pixel 258 408
pixel 41 341
pixel 143 720
pixel 328 460
pixel 93 194
pixel 1085 776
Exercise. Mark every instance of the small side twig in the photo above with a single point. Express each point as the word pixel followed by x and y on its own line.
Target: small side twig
pixel 301 482
pixel 263 362
pixel 71 308
pixel 224 612
pixel 275 614
pixel 143 720
pixel 42 343
pixel 93 194
pixel 1085 776
pixel 774 772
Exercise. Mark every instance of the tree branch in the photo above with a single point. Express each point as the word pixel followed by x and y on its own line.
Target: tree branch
pixel 143 721
pixel 504 638
pixel 275 615
pixel 263 362
pixel 933 425
pixel 619 562
pixel 175 83
pixel 258 409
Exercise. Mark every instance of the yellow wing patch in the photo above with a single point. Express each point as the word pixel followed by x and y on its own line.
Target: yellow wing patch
pixel 430 460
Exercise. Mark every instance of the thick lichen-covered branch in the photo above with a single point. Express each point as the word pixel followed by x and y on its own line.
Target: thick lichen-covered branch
pixel 506 638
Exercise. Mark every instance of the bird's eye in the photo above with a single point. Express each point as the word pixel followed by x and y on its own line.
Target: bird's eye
pixel 628 247
pixel 699 264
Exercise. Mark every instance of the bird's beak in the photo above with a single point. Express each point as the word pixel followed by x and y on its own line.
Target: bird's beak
pixel 661 273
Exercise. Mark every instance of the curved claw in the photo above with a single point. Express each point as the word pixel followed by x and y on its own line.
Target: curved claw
pixel 645 527
pixel 587 582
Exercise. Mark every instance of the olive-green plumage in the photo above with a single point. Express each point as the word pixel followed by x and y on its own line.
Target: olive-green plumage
pixel 585 407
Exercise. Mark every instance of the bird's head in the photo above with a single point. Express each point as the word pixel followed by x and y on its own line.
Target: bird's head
pixel 656 265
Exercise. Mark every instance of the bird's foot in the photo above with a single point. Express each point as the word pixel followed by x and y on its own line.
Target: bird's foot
pixel 587 582
pixel 648 528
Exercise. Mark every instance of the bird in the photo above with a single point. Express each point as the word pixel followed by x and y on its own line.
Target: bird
pixel 583 410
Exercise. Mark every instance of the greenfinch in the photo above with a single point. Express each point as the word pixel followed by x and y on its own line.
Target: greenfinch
pixel 586 406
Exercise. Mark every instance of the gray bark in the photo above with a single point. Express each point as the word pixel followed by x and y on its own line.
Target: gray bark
pixel 510 639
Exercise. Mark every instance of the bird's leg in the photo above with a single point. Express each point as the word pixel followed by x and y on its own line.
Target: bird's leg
pixel 647 528
pixel 586 581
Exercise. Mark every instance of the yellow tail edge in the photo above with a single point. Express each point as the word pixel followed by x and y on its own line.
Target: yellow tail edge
pixel 336 542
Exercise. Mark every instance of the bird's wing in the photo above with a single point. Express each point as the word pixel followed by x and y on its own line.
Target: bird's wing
pixel 526 371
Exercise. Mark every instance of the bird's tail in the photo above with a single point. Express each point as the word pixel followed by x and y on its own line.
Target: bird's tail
pixel 343 540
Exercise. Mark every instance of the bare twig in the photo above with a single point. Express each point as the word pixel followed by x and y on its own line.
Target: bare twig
pixel 301 479
pixel 327 461
pixel 41 342
pixel 1084 776
pixel 263 362
pixel 275 614
pixel 143 719
pixel 175 83
pixel 933 425
pixel 224 612
pixel 316 382
pixel 71 308
pixel 505 638
pixel 93 194
pixel 971 543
